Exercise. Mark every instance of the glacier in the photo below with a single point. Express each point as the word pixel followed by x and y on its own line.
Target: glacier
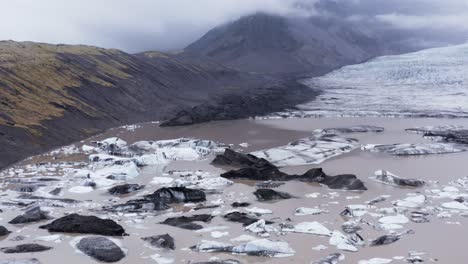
pixel 427 83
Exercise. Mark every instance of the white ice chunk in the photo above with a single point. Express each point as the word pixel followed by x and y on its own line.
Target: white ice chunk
pixel 314 227
pixel 260 211
pixel 375 261
pixel 455 205
pixel 394 219
pixel 312 150
pixel 301 211
pixel 342 242
pixel 265 247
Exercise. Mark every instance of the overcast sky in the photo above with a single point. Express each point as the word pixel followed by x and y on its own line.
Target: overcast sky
pixel 138 25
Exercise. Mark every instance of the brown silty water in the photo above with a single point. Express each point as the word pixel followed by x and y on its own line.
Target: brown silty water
pixel 442 239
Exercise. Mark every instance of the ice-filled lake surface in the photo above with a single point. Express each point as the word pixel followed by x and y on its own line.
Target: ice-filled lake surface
pixel 428 83
pixel 399 197
pixel 353 187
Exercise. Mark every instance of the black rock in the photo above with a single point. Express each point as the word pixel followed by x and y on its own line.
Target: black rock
pixel 355 129
pixel 388 178
pixel 125 189
pixel 161 241
pixel 27 188
pixel 47 179
pixel 24 248
pixel 205 207
pixel 330 259
pixel 236 159
pixel 269 184
pixel 4 231
pixel 254 168
pixel 177 195
pixel 75 223
pixel 56 191
pixel 32 215
pixel 139 205
pixel 376 200
pixel 270 195
pixel 343 182
pixel 420 217
pixel 186 222
pixel 245 104
pixel 243 218
pixel 385 240
pixel 238 204
pixel 101 249
pixel 160 199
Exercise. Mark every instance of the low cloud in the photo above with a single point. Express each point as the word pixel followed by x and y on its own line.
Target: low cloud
pixel 451 22
pixel 132 25
pixel 138 25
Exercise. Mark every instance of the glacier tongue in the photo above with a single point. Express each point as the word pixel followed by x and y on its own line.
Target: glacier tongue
pixel 428 83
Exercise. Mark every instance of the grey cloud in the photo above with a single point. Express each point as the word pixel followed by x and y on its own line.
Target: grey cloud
pixel 138 25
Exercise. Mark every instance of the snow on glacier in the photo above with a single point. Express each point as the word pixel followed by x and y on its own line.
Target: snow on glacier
pixel 432 82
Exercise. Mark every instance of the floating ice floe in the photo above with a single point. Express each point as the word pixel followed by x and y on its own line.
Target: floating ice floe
pixel 20 261
pixel 375 261
pixel 51 238
pixel 355 210
pixel 244 145
pixel 315 228
pixel 212 246
pixel 259 247
pixel 243 238
pixel 416 148
pixel 179 149
pixel 342 242
pixel 320 248
pixel 218 234
pixel 81 189
pixel 162 260
pixel 259 211
pixel 301 211
pixel 334 258
pixel 124 172
pixel 455 205
pixel 462 182
pixel 161 180
pixel 444 133
pixel 312 150
pixel 260 228
pixel 377 200
pixel 265 247
pixel 352 129
pixel 391 179
pixel 394 219
pixel 199 180
pixel 413 201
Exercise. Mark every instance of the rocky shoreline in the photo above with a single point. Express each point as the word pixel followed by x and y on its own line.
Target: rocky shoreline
pixel 238 104
pixel 250 103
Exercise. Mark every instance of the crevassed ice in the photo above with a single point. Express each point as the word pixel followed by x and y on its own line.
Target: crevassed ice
pixel 432 82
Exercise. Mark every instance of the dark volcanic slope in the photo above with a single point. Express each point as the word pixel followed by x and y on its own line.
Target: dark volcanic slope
pixel 266 43
pixel 51 95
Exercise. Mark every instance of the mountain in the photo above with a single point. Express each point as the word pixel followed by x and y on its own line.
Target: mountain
pixel 271 44
pixel 52 95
